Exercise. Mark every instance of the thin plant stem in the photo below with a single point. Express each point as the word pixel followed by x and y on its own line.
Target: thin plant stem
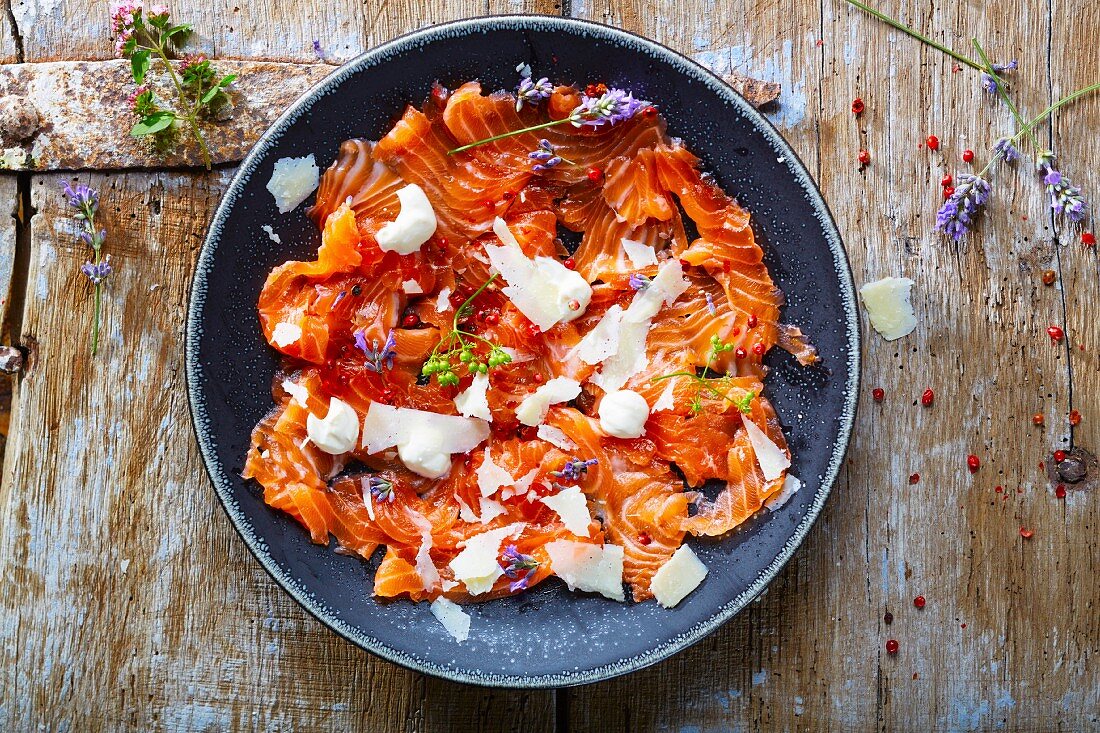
pixel 190 114
pixel 503 135
pixel 914 34
pixel 1003 93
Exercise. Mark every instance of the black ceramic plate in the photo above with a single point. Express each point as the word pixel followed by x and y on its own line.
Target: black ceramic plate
pixel 548 637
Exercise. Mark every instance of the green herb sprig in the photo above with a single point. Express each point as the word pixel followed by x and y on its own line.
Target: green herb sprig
pixel 742 402
pixel 460 348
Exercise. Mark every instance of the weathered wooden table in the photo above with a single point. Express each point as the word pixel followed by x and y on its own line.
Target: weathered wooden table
pixel 128 603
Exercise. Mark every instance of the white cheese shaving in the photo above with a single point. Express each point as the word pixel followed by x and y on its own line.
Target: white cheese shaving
pixel 603 340
pixel 490 476
pixel 270 232
pixel 773 461
pixel 427 438
pixel 640 254
pixel 534 407
pixel 667 400
pixel 453 618
pixel 474 400
pixel 555 437
pixel 543 289
pixel 368 498
pixel 292 181
pixel 517 357
pixel 337 432
pixel 415 223
pixel 297 392
pixel 476 566
pixel 587 567
pixel 678 577
pixel 286 334
pixel 429 573
pixel 412 287
pixel 889 306
pixel 790 486
pixel 523 486
pixel 572 507
pixel 443 302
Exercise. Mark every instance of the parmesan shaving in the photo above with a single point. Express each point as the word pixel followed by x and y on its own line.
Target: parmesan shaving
pixel 443 302
pixel 428 437
pixel 572 508
pixel 587 567
pixel 474 400
pixel 790 486
pixel 678 577
pixel 490 476
pixel 453 618
pixel 429 574
pixel 292 181
pixel 641 255
pixel 286 334
pixel 889 306
pixel 773 461
pixel 667 400
pixel 534 407
pixel 476 566
pixel 297 392
pixel 412 287
pixel 555 437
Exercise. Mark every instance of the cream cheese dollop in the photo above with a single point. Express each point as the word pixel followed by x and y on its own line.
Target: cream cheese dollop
pixel 421 454
pixel 415 223
pixel 337 432
pixel 623 414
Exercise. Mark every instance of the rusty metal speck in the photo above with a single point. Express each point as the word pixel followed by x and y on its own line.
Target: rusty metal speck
pixel 85 118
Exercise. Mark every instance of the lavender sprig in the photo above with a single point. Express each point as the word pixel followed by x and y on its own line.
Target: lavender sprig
pixel 1065 198
pixel 86 202
pixel 639 281
pixel 532 92
pixel 957 214
pixel 610 108
pixel 380 488
pixel 378 358
pixel 575 469
pixel 545 155
pixel 519 567
pixel 990 81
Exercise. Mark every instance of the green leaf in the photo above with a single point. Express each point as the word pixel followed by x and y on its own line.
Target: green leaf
pixel 183 30
pixel 154 123
pixel 227 80
pixel 139 64
pixel 210 94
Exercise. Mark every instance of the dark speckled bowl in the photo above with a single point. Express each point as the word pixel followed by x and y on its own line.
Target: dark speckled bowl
pixel 548 637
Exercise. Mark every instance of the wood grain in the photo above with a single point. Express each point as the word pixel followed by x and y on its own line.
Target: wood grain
pixel 9 193
pixel 193 636
pixel 1001 641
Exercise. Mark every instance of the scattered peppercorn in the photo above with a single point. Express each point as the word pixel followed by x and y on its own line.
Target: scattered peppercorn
pixel 1038 418
pixel 740 353
pixel 927 398
pixel 878 393
pixel 410 320
pixel 914 478
pixel 973 463
pixel 1059 456
pixel 650 111
pixel 1060 491
pixel 947 180
pixel 864 157
pixel 932 142
pixel 595 175
pixel 570 263
pixel 1026 533
pixel 1088 239
pixel 919 601
pixel 892 646
pixel 1049 277
pixel 857 106
pixel 356 290
pixel 1056 334
pixel 948 191
pixel 758 349
pixel 968 155
pixel 1074 418
pixel 751 321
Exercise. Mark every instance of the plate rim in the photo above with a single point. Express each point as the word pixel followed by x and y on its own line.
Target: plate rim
pixel 194 373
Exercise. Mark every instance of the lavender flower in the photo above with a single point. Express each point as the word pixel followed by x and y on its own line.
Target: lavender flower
pixel 532 92
pixel 82 197
pixel 545 156
pixel 710 304
pixel 519 567
pixel 575 469
pixel 610 108
pixel 1065 198
pixel 97 273
pixel 1005 149
pixel 380 488
pixel 639 282
pixel 956 216
pixel 377 359
pixel 989 83
pixel 317 50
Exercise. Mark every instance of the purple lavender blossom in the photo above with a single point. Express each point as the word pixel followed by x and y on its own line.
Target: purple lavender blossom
pixel 83 197
pixel 610 108
pixel 97 273
pixel 956 216
pixel 380 488
pixel 1065 198
pixel 519 567
pixel 575 469
pixel 317 50
pixel 989 83
pixel 1006 149
pixel 545 156
pixel 377 359
pixel 639 282
pixel 532 92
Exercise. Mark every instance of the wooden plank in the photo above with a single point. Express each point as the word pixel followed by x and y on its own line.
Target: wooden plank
pixel 998 644
pixel 9 194
pixel 137 604
pixel 9 44
pixel 86 119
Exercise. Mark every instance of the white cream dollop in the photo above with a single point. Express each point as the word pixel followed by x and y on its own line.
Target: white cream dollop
pixel 338 431
pixel 623 414
pixel 422 456
pixel 415 223
pixel 286 334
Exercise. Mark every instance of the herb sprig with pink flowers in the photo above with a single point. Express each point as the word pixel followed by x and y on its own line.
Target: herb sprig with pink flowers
pixel 147 37
pixel 972 191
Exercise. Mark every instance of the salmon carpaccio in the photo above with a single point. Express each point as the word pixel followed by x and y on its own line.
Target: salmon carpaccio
pixel 629 180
